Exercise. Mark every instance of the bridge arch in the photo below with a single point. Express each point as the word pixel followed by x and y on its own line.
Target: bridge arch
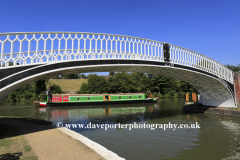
pixel 92 52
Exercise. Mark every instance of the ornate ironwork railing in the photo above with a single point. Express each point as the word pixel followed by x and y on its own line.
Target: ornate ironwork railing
pixel 18 49
pixel 179 55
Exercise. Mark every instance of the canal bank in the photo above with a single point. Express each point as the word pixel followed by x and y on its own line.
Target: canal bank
pixel 59 143
pixel 213 110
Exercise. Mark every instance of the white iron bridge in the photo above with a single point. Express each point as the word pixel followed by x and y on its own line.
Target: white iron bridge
pixel 27 57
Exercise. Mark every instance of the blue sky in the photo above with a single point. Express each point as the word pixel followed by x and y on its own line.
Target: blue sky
pixel 210 27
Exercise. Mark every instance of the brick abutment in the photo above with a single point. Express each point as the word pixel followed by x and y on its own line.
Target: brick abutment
pixel 237 87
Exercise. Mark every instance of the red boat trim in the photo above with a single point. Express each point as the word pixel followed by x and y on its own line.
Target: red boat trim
pixel 43 104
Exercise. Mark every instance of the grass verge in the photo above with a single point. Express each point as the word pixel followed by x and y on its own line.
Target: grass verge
pixel 68 84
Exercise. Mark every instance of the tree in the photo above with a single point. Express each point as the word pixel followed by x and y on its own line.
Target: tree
pixel 71 76
pixel 124 83
pixel 83 76
pixel 145 84
pixel 110 85
pixel 121 83
pixel 24 93
pixel 83 89
pixel 186 87
pixel 40 86
pixel 112 73
pixel 162 84
pixel 56 77
pixel 152 82
pixel 234 68
pixel 9 64
pixel 55 89
pixel 97 84
pixel 168 85
pixel 141 75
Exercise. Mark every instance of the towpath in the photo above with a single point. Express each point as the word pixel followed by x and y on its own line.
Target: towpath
pixel 49 143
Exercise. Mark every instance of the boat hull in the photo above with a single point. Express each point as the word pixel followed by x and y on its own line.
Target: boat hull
pixel 96 99
pixel 98 103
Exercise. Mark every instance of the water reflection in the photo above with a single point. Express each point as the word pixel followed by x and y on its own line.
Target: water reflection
pixel 145 143
pixel 218 137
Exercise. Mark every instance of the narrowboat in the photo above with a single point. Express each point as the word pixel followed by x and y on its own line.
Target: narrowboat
pixel 92 99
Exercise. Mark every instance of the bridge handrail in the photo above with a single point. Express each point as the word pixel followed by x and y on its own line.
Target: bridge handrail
pixel 102 34
pixel 211 65
pixel 57 50
pixel 84 45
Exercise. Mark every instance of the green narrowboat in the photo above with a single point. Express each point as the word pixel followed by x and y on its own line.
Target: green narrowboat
pixel 86 99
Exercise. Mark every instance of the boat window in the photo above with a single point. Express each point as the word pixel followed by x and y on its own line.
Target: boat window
pixel 78 98
pixel 119 97
pixel 130 97
pixel 139 96
pixel 106 97
pixel 88 98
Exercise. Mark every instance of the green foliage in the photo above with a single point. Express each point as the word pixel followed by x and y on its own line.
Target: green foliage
pixel 168 95
pixel 83 89
pixel 40 85
pixel 123 82
pixel 145 84
pixel 71 76
pixel 175 95
pixel 27 92
pixel 186 87
pixel 27 148
pixel 31 91
pixel 181 94
pixel 160 95
pixel 234 68
pixel 55 89
pixel 146 95
pixel 155 94
pixel 41 96
pixel 9 64
pixel 56 77
pixel 83 76
pixel 97 84
pixel 111 73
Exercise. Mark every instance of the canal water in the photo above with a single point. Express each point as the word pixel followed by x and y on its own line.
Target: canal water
pixel 217 138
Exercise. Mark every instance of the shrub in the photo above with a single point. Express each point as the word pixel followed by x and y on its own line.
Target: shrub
pixel 29 95
pixel 42 97
pixel 71 76
pixel 175 95
pixel 160 95
pixel 181 94
pixel 168 95
pixel 55 89
pixel 155 94
pixel 83 89
pixel 23 100
pixel 146 95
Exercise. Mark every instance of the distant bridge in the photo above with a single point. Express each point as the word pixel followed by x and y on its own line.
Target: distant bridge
pixel 27 57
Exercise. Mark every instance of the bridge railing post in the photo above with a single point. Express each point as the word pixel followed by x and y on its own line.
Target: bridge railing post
pixel 166 52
